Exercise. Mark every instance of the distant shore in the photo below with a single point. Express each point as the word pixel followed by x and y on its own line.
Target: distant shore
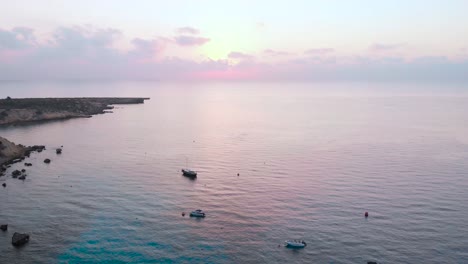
pixel 15 111
pixel 24 110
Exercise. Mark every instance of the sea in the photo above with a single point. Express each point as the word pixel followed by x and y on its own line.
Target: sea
pixel 275 161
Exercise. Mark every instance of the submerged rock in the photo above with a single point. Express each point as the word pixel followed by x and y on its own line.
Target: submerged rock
pixel 47 161
pixel 28 164
pixel 4 227
pixel 22 177
pixel 19 239
pixel 16 173
pixel 23 170
pixel 38 148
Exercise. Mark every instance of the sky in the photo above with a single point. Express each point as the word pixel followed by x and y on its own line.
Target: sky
pixel 328 40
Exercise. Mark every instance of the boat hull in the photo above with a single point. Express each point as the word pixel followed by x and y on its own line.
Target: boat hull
pixel 292 244
pixel 189 173
pixel 197 215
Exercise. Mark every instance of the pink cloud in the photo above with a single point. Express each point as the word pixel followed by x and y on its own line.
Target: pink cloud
pixel 145 50
pixel 190 40
pixel 386 47
pixel 271 52
pixel 11 56
pixel 320 51
pixel 240 55
pixel 17 38
pixel 188 30
pixel 90 53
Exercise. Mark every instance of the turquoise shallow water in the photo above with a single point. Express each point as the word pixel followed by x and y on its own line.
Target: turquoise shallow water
pixel 311 162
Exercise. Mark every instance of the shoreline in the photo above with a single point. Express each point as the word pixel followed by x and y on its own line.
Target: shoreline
pixel 31 110
pixel 11 153
pixel 16 111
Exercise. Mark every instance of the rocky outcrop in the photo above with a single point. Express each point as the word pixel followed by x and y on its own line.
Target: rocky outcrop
pixel 4 227
pixel 11 153
pixel 16 173
pixel 47 161
pixel 14 111
pixel 19 239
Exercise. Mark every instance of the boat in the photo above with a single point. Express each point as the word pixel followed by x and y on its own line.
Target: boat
pixel 295 243
pixel 197 213
pixel 189 173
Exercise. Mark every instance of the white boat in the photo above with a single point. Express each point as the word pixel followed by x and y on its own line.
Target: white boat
pixel 295 243
pixel 197 213
pixel 189 173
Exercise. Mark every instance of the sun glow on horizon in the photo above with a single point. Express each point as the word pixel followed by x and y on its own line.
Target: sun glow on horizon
pixel 299 40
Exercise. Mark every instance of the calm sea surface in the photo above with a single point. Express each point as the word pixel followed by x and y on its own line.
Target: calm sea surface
pixel 312 159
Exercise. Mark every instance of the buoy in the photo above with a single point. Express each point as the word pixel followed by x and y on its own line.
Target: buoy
pixel 366 214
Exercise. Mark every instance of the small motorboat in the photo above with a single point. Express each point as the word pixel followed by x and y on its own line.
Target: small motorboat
pixel 189 173
pixel 197 213
pixel 295 243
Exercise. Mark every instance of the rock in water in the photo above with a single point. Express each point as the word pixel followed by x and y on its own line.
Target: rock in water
pixel 58 151
pixel 19 239
pixel 4 227
pixel 22 177
pixel 4 184
pixel 23 170
pixel 47 161
pixel 16 173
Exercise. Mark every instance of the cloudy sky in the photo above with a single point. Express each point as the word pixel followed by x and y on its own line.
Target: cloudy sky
pixel 294 40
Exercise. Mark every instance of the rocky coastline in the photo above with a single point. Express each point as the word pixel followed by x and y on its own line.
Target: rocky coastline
pixel 18 111
pixel 11 153
pixel 24 110
pixel 15 111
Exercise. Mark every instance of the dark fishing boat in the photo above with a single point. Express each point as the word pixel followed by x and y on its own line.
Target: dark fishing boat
pixel 197 213
pixel 295 243
pixel 189 173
